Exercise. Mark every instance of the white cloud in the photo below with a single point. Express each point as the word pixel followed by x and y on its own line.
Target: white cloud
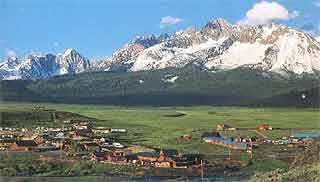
pixel 266 12
pixel 168 20
pixel 318 38
pixel 56 44
pixel 316 3
pixel 10 53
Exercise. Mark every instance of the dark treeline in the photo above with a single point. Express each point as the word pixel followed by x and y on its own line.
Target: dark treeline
pixel 193 86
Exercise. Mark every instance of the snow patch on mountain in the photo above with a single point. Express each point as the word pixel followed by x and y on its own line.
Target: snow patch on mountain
pixel 170 78
pixel 239 54
pixel 220 45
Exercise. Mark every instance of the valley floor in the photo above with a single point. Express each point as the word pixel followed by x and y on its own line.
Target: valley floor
pixel 161 127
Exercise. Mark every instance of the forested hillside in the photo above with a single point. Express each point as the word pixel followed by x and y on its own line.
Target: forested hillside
pixel 188 86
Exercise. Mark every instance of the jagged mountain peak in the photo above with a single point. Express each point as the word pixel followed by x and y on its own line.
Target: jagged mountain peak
pixel 37 66
pixel 70 51
pixel 12 61
pixel 222 45
pixel 218 45
pixel 150 40
pixel 218 24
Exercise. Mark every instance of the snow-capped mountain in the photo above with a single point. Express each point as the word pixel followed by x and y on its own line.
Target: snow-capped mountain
pixel 218 45
pixel 221 45
pixel 38 66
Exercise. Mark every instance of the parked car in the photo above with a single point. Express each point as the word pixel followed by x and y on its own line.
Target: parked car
pixel 117 145
pixel 107 144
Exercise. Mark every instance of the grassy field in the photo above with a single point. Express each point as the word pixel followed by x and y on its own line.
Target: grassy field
pixel 161 126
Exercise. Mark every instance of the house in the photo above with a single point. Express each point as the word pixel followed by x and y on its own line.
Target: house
pixel 115 155
pixel 187 137
pixel 101 130
pixel 186 160
pixel 81 125
pixel 211 134
pixel 158 159
pixel 57 142
pixel 265 127
pixel 91 147
pixel 23 146
pixel 299 137
pixel 225 127
pixel 226 142
pixel 147 156
pixel 38 139
pixel 84 132
pixel 101 156
pixel 45 148
pixel 5 143
pixel 118 130
pixel 163 164
pixel 6 135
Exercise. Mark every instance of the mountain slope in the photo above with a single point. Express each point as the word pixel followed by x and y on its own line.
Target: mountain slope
pixel 190 85
pixel 43 66
pixel 220 45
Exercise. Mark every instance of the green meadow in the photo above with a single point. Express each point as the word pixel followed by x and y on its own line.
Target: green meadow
pixel 161 126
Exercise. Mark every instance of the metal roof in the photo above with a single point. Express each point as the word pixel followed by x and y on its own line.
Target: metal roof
pixel 226 141
pixel 305 135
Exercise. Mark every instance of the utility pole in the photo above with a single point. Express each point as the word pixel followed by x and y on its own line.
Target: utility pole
pixel 251 149
pixel 201 170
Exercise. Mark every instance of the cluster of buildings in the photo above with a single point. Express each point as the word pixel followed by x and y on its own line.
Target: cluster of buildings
pixel 80 141
pixel 159 159
pixel 58 138
pixel 247 143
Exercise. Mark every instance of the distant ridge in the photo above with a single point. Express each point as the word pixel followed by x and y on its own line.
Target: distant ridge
pixel 218 46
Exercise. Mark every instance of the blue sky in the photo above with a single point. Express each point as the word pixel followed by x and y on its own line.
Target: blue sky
pixel 98 27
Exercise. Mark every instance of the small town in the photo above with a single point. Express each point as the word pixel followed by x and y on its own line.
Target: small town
pixel 79 140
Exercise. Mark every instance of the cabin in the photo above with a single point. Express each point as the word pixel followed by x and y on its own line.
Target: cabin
pixel 57 142
pixel 265 127
pixel 300 137
pixel 91 147
pixel 186 160
pixel 115 155
pixel 80 125
pixel 226 142
pixel 84 132
pixel 38 139
pixel 210 134
pixel 225 127
pixel 147 156
pixel 45 148
pixel 101 130
pixel 158 159
pixel 101 156
pixel 187 137
pixel 118 130
pixel 6 135
pixel 5 143
pixel 23 146
pixel 163 164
